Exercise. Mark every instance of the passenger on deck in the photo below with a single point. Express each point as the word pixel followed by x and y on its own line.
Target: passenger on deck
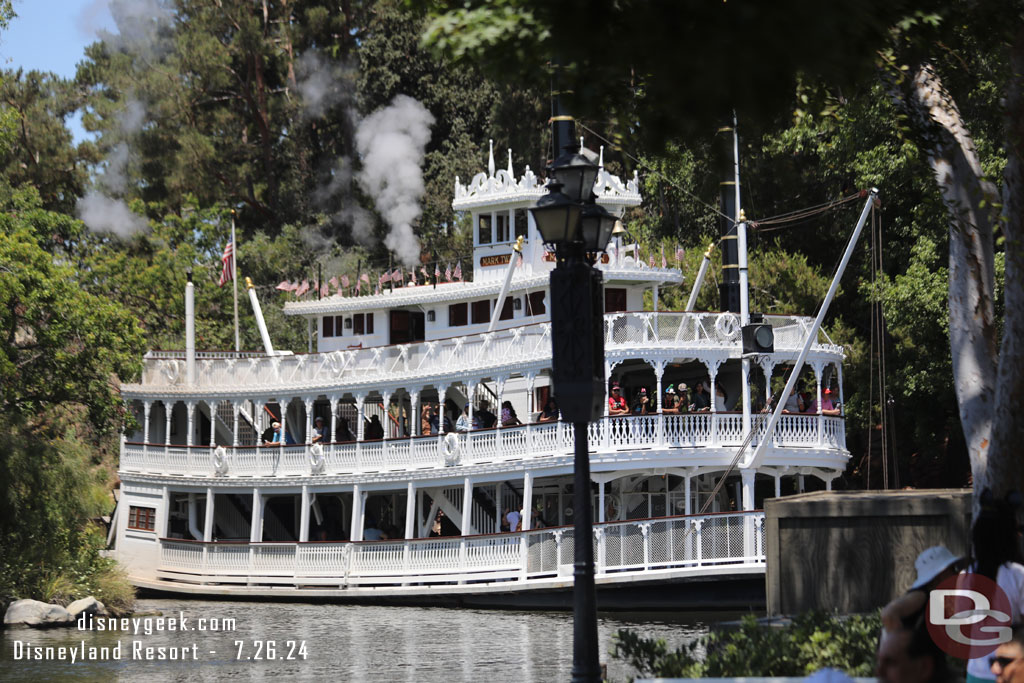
pixel 374 429
pixel 550 412
pixel 425 427
pixel 616 402
pixel 642 403
pixel 272 436
pixel 344 433
pixel 508 415
pixel 514 519
pixel 701 398
pixel 487 418
pixel 720 399
pixel 318 430
pixel 463 424
pixel 371 532
pixel 828 407
pixel 670 404
pixel 795 403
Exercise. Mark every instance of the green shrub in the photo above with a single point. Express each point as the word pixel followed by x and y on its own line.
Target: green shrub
pixel 812 641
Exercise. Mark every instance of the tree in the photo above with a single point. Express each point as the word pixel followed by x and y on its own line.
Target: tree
pixel 765 51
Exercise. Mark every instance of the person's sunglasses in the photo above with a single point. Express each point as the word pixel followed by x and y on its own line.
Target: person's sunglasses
pixel 1002 661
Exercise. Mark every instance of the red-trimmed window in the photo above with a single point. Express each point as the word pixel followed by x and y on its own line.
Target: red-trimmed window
pixel 143 519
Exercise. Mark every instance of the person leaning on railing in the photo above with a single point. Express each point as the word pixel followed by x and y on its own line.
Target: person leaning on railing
pixel 550 412
pixel 616 402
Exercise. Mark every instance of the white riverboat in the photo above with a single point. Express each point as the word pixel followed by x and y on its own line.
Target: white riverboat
pixel 206 508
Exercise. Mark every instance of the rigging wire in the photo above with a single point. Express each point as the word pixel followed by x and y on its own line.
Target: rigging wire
pixel 887 411
pixel 871 362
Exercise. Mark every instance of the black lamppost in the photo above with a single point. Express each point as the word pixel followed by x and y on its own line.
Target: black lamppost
pixel 577 229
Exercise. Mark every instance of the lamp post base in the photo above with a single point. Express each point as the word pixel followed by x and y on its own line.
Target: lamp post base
pixel 586 667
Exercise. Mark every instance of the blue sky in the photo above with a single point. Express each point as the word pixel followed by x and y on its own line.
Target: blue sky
pixel 51 35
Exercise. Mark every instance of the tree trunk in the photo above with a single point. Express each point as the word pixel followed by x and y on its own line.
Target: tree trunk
pixel 969 199
pixel 1006 469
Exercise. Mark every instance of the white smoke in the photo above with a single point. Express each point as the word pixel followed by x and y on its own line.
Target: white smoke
pixel 100 211
pixel 103 214
pixel 391 143
pixel 140 25
pixel 322 84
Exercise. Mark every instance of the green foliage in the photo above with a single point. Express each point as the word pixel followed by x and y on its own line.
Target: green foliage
pixel 811 642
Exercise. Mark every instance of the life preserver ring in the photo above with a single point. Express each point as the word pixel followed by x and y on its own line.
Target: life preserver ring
pixel 316 458
pixel 611 508
pixel 220 460
pixel 727 325
pixel 452 449
pixel 336 363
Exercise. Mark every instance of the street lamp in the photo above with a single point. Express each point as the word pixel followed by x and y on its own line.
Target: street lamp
pixel 578 230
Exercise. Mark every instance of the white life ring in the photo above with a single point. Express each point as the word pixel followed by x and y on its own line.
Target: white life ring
pixel 336 363
pixel 316 458
pixel 727 325
pixel 452 449
pixel 220 460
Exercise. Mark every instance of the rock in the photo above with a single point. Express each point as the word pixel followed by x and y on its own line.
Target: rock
pixel 35 613
pixel 89 605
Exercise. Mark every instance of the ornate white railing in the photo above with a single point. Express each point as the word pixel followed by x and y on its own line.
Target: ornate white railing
pixel 526 442
pixel 725 541
pixel 690 333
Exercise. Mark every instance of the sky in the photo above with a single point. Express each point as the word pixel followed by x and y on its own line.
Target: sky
pixel 51 35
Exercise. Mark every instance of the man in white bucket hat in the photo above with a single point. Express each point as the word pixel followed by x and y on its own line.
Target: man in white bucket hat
pixel 933 566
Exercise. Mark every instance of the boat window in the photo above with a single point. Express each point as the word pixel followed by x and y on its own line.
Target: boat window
pixel 142 518
pixel 614 300
pixel 339 323
pixel 535 303
pixel 328 326
pixel 485 228
pixel 362 323
pixel 501 225
pixel 506 309
pixel 520 221
pixel 457 315
pixel 482 311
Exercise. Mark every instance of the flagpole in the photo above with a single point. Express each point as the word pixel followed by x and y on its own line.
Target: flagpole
pixel 234 279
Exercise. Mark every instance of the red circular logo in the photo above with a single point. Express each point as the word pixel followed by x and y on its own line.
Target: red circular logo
pixel 969 616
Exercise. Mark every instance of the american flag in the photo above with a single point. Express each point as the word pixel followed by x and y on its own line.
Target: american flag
pixel 285 286
pixel 303 288
pixel 458 270
pixel 426 273
pixel 333 281
pixel 396 276
pixel 365 277
pixel 359 284
pixel 384 277
pixel 412 277
pixel 651 260
pixel 437 272
pixel 227 272
pixel 680 254
pixel 448 272
pixel 344 281
pixel 664 263
pixel 325 290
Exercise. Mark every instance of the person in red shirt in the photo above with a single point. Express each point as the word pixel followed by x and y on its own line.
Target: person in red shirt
pixel 616 403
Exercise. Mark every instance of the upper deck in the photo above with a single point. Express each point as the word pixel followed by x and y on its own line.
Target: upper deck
pixel 710 338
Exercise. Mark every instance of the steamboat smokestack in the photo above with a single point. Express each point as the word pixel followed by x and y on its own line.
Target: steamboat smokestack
pixel 563 125
pixel 190 331
pixel 729 289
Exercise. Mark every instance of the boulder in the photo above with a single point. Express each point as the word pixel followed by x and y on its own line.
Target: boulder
pixel 35 613
pixel 89 605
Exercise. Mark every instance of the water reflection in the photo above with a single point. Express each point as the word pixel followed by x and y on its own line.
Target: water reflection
pixel 344 643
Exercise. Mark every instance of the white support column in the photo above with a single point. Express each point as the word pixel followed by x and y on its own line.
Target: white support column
pixel 308 403
pixel 686 492
pixel 165 513
pixel 385 401
pixel 745 394
pixel 470 391
pixel 212 405
pixel 360 417
pixel 498 507
pixel 655 297
pixel 828 484
pixel 190 406
pixel 818 367
pixel 410 509
pixel 168 412
pixel 600 502
pixel 466 526
pixel 334 419
pixel 607 384
pixel 749 527
pixel 414 414
pixel 304 516
pixel 800 483
pixel 500 386
pixel 256 534
pixel 208 521
pixel 839 381
pixel 146 407
pixel 531 399
pixel 356 530
pixel 527 501
pixel 778 484
pixel 659 372
pixel 442 394
pixel 236 410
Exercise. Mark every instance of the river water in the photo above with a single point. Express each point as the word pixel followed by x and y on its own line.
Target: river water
pixel 341 643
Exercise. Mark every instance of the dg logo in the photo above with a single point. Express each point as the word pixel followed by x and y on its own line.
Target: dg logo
pixel 969 616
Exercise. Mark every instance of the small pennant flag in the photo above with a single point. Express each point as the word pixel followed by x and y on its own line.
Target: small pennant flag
pixel 426 275
pixel 333 281
pixel 680 254
pixel 284 286
pixel 664 263
pixel 227 271
pixel 458 270
pixel 359 285
pixel 303 288
pixel 325 290
pixel 344 281
pixel 448 272
pixel 396 276
pixel 378 289
pixel 365 277
pixel 412 277
pixel 652 260
pixel 437 272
